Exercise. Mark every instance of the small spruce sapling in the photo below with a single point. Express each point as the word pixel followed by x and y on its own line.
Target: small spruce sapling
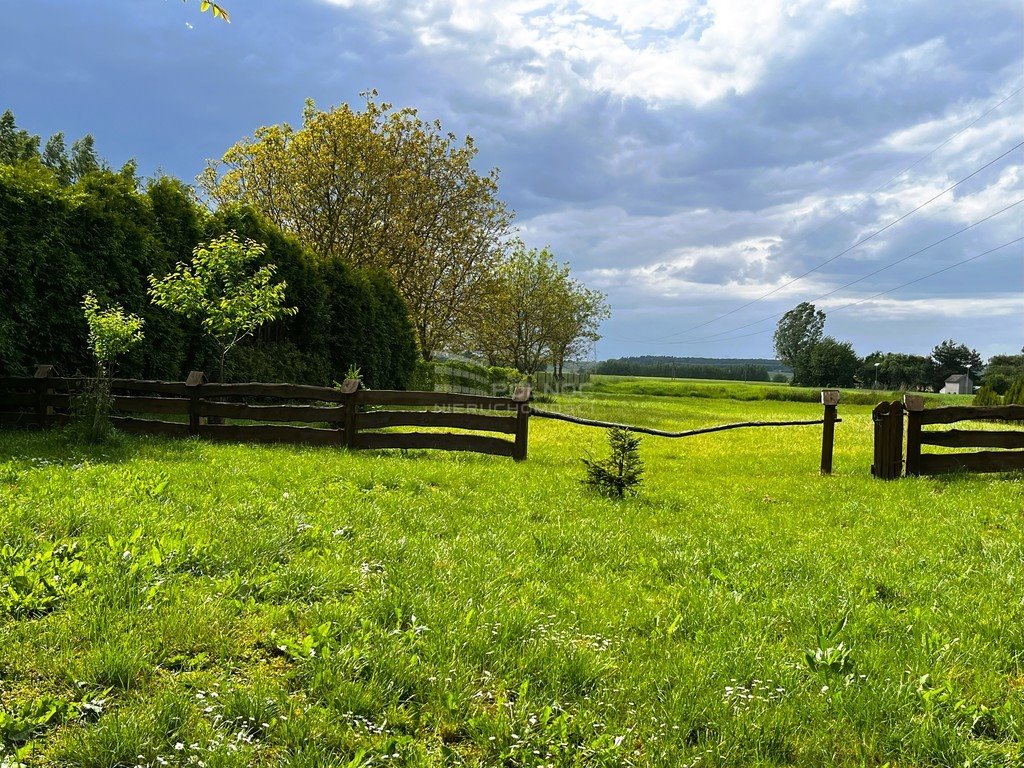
pixel 620 473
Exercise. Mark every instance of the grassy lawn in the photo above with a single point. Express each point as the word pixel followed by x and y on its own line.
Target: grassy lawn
pixel 185 603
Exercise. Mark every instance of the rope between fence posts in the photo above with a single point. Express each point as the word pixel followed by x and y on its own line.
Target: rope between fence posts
pixel 662 433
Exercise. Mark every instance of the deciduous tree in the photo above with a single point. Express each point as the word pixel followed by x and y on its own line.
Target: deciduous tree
pixel 951 357
pixel 16 145
pixel 796 334
pixel 534 312
pixel 55 157
pixel 83 157
pixel 380 188
pixel 225 290
pixel 830 363
pixel 577 318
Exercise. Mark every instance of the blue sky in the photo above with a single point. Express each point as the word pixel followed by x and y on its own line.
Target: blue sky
pixel 685 157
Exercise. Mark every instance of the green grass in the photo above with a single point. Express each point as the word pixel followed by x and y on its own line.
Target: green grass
pixel 746 391
pixel 166 602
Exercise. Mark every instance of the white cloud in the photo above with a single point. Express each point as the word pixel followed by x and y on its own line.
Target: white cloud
pixel 959 307
pixel 662 51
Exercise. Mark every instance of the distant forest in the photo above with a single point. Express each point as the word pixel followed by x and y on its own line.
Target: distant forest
pixel 734 369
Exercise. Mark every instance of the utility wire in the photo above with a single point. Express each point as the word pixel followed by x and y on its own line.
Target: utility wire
pixel 842 253
pixel 843 211
pixel 880 293
pixel 861 279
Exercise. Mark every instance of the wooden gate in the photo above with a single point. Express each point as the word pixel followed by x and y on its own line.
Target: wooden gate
pixel 888 459
pixel 1006 460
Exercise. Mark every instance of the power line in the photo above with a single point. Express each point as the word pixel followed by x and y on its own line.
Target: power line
pixel 930 274
pixel 842 253
pixel 843 211
pixel 880 293
pixel 861 279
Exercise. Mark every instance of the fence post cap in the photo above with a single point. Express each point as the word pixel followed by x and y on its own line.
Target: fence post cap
pixel 349 386
pixel 913 402
pixel 44 371
pixel 830 397
pixel 522 393
pixel 195 378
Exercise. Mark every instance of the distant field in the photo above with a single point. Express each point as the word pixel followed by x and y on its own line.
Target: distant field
pixel 186 603
pixel 754 390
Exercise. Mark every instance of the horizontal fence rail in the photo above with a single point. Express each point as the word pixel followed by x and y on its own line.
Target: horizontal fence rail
pixel 346 417
pixel 829 399
pixel 920 463
pixel 685 433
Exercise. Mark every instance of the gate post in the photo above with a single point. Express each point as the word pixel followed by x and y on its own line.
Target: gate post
pixel 914 405
pixel 521 397
pixel 888 448
pixel 350 390
pixel 44 388
pixel 830 399
pixel 193 385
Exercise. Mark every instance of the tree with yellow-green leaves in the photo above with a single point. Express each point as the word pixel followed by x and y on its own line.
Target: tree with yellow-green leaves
pixel 534 313
pixel 381 188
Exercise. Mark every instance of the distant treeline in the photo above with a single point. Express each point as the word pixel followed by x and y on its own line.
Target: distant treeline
pixel 688 368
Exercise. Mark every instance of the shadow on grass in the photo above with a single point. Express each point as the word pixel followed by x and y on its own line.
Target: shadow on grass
pixel 64 446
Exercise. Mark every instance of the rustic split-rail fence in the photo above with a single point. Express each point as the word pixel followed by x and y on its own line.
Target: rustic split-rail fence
pixel 346 416
pixel 889 425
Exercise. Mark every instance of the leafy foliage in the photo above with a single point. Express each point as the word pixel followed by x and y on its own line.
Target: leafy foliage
pixel 1015 394
pixel 621 472
pixel 1002 370
pixel 987 396
pixel 112 331
pixel 796 334
pixel 403 198
pixel 225 290
pixel 830 363
pixel 216 10
pixel 33 583
pixel 895 371
pixel 532 313
pixel 104 233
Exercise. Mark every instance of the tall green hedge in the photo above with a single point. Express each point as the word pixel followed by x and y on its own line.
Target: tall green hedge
pixel 106 234
pixel 346 316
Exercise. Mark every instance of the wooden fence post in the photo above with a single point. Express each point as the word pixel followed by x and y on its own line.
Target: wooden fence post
pixel 350 389
pixel 44 388
pixel 914 405
pixel 194 383
pixel 888 440
pixel 830 399
pixel 521 396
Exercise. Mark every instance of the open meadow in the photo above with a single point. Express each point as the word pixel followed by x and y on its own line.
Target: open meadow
pixel 167 603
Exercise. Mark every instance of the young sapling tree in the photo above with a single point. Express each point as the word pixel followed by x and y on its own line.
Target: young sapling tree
pixel 112 333
pixel 226 289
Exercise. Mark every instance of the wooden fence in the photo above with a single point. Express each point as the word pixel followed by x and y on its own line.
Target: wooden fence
pixel 348 416
pixel 889 444
pixel 888 424
pixel 829 399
